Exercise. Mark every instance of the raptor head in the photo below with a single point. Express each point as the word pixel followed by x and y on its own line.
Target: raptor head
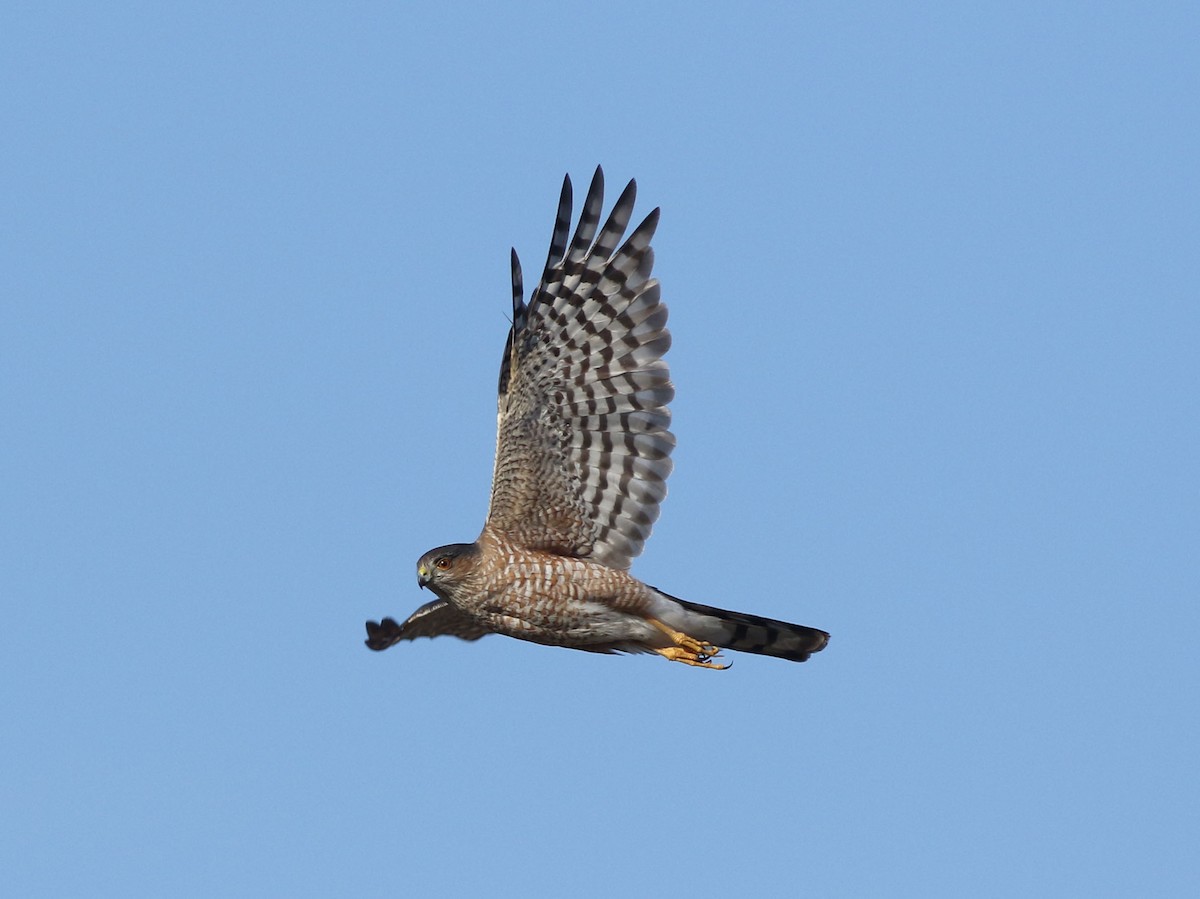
pixel 444 569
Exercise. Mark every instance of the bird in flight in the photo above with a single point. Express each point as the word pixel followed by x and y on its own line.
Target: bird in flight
pixel 582 458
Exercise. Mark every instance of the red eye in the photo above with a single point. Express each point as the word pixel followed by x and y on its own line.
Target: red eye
pixel 442 564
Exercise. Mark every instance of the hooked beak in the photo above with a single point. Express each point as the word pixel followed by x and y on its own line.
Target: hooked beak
pixel 422 576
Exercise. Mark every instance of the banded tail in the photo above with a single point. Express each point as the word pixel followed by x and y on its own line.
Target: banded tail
pixel 747 633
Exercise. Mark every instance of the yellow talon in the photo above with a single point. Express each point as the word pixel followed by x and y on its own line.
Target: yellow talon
pixel 687 649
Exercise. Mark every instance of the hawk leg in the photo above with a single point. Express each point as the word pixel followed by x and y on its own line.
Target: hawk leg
pixel 687 649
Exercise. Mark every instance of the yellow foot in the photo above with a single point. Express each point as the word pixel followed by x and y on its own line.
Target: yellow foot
pixel 687 649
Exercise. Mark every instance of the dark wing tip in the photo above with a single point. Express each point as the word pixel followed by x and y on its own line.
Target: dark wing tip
pixel 518 292
pixel 382 634
pixel 650 223
pixel 597 185
pixel 628 196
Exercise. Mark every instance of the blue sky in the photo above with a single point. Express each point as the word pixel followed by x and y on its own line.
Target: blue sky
pixel 932 271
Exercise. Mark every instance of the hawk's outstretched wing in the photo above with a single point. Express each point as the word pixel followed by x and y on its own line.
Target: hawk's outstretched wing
pixel 583 442
pixel 434 619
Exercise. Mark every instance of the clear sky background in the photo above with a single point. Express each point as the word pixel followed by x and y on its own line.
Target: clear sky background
pixel 932 271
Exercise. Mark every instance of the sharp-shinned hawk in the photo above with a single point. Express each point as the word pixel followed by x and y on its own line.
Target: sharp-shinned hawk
pixel 582 459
